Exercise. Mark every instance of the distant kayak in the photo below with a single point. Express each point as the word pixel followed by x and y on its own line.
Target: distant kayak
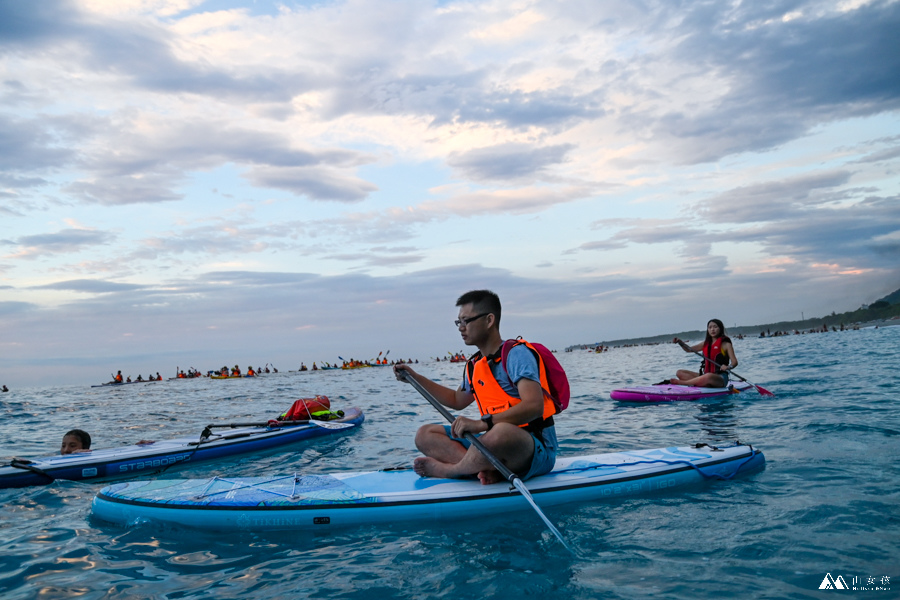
pixel 150 459
pixel 673 393
pixel 118 383
pixel 319 502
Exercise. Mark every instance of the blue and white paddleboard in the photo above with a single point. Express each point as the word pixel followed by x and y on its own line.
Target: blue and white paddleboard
pixel 323 501
pixel 150 459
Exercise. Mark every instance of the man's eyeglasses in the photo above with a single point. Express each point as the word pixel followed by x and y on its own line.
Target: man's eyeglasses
pixel 466 320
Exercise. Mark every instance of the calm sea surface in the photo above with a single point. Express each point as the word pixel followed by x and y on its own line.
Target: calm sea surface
pixel 827 502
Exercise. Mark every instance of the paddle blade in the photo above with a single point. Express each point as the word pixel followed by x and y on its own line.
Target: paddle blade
pixel 763 391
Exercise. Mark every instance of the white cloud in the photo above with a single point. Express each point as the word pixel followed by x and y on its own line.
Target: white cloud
pixel 120 8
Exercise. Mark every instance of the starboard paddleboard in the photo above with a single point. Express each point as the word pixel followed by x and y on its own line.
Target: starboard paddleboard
pixel 151 459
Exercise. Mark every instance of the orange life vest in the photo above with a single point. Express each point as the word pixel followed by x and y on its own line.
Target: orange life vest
pixel 492 398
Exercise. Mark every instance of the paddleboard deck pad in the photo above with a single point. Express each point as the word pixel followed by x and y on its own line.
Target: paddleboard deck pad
pixel 151 459
pixel 673 393
pixel 322 501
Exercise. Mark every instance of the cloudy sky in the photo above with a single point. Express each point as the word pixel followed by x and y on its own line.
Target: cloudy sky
pixel 195 183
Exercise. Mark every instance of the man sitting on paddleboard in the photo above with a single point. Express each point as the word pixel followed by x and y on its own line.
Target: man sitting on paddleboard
pixel 718 359
pixel 517 416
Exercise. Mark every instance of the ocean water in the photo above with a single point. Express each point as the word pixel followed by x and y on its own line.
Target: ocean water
pixel 826 503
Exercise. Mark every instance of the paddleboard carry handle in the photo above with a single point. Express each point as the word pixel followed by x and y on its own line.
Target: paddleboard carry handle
pixel 26 465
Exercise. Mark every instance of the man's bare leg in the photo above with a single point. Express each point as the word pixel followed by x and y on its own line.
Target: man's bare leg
pixel 433 441
pixel 511 444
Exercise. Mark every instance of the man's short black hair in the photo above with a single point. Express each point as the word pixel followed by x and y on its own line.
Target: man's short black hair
pixel 484 301
pixel 82 435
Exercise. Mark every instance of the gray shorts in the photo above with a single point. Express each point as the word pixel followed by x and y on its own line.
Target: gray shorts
pixel 722 374
pixel 545 446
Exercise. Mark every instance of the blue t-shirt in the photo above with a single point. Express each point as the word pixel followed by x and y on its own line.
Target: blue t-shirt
pixel 520 364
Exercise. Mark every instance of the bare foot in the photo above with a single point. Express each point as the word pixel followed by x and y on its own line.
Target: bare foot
pixel 425 466
pixel 675 381
pixel 489 477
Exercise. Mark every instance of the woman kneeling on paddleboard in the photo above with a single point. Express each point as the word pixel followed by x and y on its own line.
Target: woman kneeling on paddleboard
pixel 718 359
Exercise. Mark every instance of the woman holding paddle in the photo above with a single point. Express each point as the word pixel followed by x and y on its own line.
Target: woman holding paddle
pixel 718 359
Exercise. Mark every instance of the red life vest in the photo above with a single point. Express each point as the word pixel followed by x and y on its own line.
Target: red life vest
pixel 491 398
pixel 715 354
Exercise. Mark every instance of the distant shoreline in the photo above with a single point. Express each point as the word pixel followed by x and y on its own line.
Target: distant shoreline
pixel 883 312
pixel 773 330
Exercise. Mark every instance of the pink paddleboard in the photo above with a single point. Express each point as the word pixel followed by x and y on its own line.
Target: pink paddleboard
pixel 672 393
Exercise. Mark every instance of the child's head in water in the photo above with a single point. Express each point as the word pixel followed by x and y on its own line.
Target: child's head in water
pixel 75 441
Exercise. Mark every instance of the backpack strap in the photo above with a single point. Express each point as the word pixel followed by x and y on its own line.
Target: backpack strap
pixel 505 349
pixel 536 426
pixel 557 381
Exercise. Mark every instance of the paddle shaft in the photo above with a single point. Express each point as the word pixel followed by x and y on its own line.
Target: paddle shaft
pixel 759 389
pixel 497 464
